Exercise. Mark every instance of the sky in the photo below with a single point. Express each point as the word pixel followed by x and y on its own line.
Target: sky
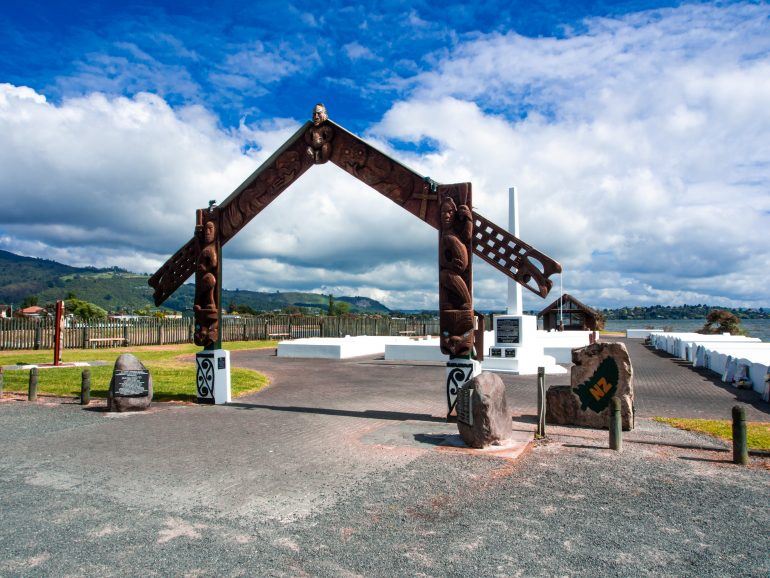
pixel 637 134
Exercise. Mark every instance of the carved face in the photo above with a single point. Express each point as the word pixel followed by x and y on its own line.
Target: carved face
pixel 448 211
pixel 319 114
pixel 210 232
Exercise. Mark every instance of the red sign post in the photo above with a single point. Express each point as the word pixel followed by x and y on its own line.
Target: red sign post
pixel 57 335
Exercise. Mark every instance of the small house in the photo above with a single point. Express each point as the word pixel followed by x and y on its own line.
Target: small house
pixel 576 315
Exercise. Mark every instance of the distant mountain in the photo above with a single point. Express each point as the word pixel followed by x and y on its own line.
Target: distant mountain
pixel 117 289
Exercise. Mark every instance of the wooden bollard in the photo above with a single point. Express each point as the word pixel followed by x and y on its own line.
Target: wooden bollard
pixel 616 425
pixel 32 394
pixel 740 445
pixel 540 433
pixel 85 387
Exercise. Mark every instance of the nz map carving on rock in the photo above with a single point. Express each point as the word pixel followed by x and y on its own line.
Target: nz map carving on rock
pixel 600 387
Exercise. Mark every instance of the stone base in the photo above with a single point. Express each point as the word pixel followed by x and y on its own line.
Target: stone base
pixel 119 403
pixel 488 421
pixel 563 408
pixel 600 372
pixel 213 376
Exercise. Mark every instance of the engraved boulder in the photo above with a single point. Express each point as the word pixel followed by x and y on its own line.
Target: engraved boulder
pixel 600 372
pixel 131 385
pixel 484 420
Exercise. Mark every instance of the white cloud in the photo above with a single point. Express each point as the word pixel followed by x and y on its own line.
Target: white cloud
pixel 356 51
pixel 644 148
pixel 640 148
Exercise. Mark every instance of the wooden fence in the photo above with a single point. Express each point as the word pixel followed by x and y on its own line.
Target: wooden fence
pixel 38 333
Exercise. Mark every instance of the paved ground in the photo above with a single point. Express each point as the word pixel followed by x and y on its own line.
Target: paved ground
pixel 376 388
pixel 336 469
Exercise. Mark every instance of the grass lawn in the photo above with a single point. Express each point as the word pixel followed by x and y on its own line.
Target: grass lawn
pixel 757 433
pixel 173 378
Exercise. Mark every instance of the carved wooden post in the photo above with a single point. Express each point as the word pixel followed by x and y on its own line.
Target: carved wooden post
pixel 208 288
pixel 213 364
pixel 456 286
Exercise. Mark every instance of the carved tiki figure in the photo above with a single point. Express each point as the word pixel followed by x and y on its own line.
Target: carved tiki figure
pixel 206 307
pixel 319 136
pixel 455 274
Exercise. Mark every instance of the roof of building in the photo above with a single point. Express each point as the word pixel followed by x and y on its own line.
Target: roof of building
pixel 566 299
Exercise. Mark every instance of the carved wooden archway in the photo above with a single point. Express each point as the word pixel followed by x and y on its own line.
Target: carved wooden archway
pixel 447 208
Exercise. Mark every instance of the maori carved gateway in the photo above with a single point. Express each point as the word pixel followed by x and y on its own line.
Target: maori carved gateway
pixel 448 208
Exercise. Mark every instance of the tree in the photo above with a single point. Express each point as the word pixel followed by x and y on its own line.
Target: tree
pixel 246 310
pixel 340 308
pixel 721 321
pixel 330 310
pixel 84 310
pixel 29 301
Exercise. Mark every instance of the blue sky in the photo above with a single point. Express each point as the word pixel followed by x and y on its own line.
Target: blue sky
pixel 258 61
pixel 637 133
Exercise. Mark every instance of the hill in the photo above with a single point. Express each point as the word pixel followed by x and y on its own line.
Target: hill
pixel 117 289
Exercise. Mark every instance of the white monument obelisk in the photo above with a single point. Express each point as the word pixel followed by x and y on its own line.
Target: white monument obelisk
pixel 514 289
pixel 516 348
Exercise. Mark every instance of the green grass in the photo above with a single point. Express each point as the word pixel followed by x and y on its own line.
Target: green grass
pixel 757 433
pixel 173 375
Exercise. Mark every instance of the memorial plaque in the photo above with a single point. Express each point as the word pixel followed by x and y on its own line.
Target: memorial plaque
pixel 465 406
pixel 508 330
pixel 495 352
pixel 132 383
pixel 510 352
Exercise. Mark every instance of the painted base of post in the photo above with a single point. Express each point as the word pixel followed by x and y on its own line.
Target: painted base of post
pixel 458 373
pixel 213 376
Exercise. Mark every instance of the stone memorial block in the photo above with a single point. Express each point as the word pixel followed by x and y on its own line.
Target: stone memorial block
pixel 600 372
pixel 483 417
pixel 131 385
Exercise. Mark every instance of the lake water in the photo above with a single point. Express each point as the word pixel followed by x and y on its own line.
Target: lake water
pixel 754 327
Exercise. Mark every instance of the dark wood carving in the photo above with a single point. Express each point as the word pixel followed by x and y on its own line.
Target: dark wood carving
pixel 455 268
pixel 322 140
pixel 207 282
pixel 271 181
pixel 518 260
pixel 174 272
pixel 319 136
pixel 401 185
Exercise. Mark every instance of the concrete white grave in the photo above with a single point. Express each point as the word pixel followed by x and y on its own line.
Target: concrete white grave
pixel 213 376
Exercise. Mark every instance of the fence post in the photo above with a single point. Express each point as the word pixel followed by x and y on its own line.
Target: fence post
pixel 540 433
pixel 125 335
pixel 85 387
pixel 160 331
pixel 616 425
pixel 32 393
pixel 85 335
pixel 740 445
pixel 38 336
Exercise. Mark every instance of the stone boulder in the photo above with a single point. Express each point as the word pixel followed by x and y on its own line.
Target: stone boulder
pixel 127 391
pixel 489 415
pixel 600 372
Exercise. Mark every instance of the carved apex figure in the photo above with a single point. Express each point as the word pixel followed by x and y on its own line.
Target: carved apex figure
pixel 319 136
pixel 455 276
pixel 206 307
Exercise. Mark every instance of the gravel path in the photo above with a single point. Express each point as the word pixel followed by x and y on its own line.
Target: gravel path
pixel 567 507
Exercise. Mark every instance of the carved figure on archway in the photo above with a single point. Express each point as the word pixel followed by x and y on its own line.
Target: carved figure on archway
pixel 455 292
pixel 319 136
pixel 206 307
